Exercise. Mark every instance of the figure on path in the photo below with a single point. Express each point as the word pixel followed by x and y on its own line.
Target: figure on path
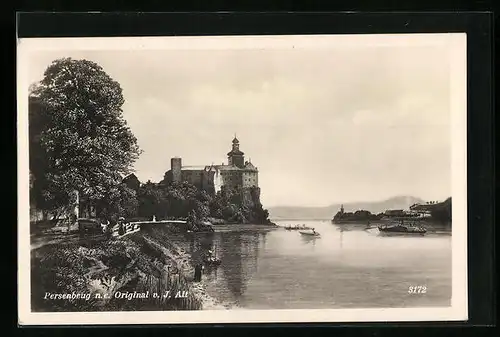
pixel 197 272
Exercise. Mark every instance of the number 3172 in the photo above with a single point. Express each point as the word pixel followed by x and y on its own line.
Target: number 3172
pixel 417 290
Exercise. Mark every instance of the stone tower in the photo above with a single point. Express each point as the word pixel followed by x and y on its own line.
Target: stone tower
pixel 176 167
pixel 235 156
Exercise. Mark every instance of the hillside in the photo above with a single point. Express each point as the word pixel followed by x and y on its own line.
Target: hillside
pixel 326 213
pixel 444 205
pixel 441 212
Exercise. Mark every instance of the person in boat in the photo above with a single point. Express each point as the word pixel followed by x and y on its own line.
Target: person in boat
pixel 211 256
pixel 314 231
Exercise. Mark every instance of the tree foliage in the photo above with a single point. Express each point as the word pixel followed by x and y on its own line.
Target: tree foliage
pixel 151 201
pixel 184 200
pixel 359 215
pixel 79 139
pixel 442 212
pixel 119 200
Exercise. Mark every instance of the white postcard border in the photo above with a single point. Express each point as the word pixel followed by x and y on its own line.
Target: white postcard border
pixel 458 311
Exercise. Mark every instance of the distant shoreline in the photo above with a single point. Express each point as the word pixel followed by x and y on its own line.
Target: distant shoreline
pixel 300 213
pixel 301 219
pixel 428 222
pixel 230 227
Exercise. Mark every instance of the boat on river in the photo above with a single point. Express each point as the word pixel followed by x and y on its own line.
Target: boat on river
pixel 402 228
pixel 210 260
pixel 312 233
pixel 297 227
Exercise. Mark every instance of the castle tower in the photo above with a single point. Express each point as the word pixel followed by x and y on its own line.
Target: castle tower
pixel 176 167
pixel 341 209
pixel 235 156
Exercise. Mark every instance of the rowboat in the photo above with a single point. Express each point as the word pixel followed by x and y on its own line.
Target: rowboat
pixel 310 233
pixel 211 260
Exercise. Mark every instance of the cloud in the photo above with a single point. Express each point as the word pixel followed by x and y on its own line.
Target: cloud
pixel 360 123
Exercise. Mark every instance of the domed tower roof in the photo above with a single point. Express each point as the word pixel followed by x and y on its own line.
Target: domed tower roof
pixel 235 156
pixel 236 147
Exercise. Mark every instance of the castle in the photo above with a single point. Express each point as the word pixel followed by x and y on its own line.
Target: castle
pixel 237 173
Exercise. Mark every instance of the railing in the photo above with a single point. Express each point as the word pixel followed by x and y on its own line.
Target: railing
pixel 133 227
pixel 128 228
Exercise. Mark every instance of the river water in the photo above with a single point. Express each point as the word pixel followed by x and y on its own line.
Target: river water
pixel 349 266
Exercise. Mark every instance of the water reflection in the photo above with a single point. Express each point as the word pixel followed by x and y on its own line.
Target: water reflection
pixel 239 252
pixel 347 266
pixel 354 227
pixel 310 240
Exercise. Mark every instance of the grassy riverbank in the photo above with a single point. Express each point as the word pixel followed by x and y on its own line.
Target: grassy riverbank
pixel 116 275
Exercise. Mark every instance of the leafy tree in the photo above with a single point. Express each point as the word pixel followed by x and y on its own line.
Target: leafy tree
pixel 202 210
pixel 79 139
pixel 40 193
pixel 236 198
pixel 119 200
pixel 151 201
pixel 216 205
pixel 181 200
pixel 361 215
pixel 192 219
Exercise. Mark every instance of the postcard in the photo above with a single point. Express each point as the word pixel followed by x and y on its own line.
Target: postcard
pixel 242 179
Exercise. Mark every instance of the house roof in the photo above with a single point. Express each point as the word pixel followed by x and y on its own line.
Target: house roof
pixel 235 168
pixel 195 168
pixel 130 176
pixel 249 165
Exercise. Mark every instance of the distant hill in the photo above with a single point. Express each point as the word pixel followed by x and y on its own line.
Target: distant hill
pixel 434 207
pixel 324 213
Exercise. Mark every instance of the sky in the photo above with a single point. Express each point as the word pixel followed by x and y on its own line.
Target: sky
pixel 344 122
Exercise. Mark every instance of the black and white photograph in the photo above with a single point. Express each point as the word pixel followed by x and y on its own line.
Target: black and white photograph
pixel 219 179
